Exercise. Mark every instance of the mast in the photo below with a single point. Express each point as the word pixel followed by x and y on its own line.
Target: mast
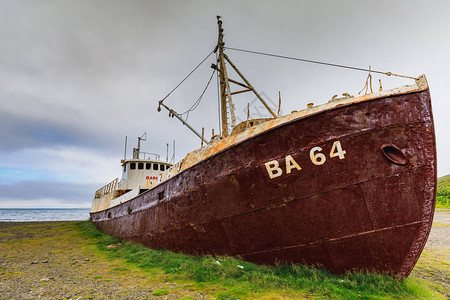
pixel 225 91
pixel 125 153
pixel 137 150
pixel 226 101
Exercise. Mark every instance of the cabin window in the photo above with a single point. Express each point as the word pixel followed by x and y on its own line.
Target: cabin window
pixel 155 167
pixel 132 166
pixel 148 166
pixel 140 166
pixel 161 167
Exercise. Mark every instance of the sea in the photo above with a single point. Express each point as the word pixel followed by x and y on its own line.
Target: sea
pixel 43 214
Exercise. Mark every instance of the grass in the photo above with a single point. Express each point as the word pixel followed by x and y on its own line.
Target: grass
pixel 443 192
pixel 160 292
pixel 231 278
pixel 435 265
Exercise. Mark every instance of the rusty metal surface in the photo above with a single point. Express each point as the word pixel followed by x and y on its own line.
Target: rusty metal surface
pixel 220 145
pixel 352 209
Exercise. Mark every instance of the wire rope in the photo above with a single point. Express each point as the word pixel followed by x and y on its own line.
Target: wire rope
pixel 319 62
pixel 187 76
pixel 196 103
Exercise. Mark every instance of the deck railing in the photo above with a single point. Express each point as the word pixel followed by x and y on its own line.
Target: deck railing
pixel 107 188
pixel 148 155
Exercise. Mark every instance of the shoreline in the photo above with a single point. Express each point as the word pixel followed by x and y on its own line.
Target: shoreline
pixel 7 224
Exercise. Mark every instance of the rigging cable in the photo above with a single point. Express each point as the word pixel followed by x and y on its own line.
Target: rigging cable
pixel 319 62
pixel 196 103
pixel 187 76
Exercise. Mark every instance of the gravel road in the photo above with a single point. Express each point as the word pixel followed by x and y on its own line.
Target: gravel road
pixel 440 233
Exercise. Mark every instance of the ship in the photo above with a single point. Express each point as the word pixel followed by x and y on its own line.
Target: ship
pixel 347 186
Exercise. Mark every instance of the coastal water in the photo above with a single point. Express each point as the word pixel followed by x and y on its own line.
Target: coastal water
pixel 43 214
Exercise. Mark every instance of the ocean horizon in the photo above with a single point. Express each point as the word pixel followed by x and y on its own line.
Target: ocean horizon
pixel 43 214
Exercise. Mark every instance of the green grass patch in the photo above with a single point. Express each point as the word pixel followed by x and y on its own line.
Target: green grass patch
pixel 443 192
pixel 443 201
pixel 160 292
pixel 444 181
pixel 232 278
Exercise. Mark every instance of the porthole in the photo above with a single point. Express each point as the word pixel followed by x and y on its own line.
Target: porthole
pixel 394 154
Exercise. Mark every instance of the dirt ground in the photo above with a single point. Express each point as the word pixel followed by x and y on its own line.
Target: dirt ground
pixel 434 263
pixel 50 260
pixel 46 260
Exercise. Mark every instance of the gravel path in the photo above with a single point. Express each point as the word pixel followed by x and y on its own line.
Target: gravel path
pixel 440 232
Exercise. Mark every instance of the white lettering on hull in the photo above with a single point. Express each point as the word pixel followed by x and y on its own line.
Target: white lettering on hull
pixel 315 155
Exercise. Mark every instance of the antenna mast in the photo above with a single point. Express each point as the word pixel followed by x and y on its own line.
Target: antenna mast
pixel 125 153
pixel 138 149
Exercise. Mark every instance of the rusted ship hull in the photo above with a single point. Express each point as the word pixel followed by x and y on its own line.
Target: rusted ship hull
pixel 348 188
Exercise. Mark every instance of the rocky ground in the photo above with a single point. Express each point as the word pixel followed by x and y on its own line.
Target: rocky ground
pixel 50 260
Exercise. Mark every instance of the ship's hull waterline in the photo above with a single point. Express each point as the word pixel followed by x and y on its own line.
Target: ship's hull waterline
pixel 348 188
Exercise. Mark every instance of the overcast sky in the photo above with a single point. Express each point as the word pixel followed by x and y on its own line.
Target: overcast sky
pixel 76 77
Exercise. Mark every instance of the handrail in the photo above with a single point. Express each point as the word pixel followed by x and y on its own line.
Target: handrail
pixel 149 155
pixel 107 188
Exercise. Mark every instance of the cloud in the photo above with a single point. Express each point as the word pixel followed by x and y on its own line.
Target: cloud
pixel 62 164
pixel 46 194
pixel 77 77
pixel 25 132
pixel 54 177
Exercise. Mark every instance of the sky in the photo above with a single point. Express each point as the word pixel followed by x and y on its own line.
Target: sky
pixel 77 77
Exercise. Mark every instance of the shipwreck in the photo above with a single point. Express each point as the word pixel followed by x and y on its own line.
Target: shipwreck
pixel 348 185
